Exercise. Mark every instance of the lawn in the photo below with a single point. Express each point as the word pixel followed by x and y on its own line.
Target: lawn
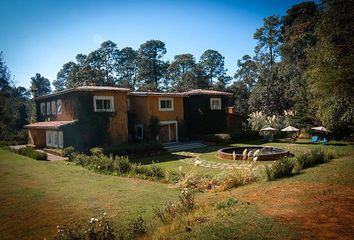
pixel 36 196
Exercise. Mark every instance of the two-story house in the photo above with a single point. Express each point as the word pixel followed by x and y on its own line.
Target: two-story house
pixel 83 117
pixel 167 107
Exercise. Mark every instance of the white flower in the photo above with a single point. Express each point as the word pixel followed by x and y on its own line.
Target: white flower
pixel 180 168
pixel 104 214
pixel 58 226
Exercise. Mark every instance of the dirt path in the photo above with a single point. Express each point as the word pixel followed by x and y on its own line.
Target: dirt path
pixel 321 211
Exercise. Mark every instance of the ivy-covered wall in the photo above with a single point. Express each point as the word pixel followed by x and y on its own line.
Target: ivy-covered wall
pixel 200 119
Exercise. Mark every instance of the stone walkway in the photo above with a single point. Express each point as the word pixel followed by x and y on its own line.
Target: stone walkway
pixel 194 159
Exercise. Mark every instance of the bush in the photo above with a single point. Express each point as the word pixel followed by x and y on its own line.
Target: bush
pixel 234 178
pixel 153 171
pixel 137 227
pixel 313 158
pixel 32 153
pixel 175 176
pixel 96 228
pixel 227 203
pixel 68 151
pixel 280 169
pixel 185 204
pixel 135 148
pixel 217 138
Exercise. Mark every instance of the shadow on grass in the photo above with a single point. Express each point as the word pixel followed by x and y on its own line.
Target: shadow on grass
pixel 167 157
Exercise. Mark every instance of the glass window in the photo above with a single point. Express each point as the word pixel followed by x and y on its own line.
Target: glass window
pixel 48 108
pixel 139 131
pixel 53 107
pixel 103 103
pixel 43 110
pixel 166 104
pixel 215 103
pixel 59 108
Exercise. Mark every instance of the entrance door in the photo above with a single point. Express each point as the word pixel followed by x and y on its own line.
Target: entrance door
pixel 168 131
pixel 54 139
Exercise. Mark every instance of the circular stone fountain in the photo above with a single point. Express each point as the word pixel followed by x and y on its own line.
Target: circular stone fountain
pixel 265 153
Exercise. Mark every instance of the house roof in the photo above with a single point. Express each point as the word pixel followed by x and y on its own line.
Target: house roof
pixel 84 89
pixel 49 125
pixel 161 94
pixel 206 92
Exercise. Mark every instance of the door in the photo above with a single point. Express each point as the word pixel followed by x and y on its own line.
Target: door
pixel 55 140
pixel 49 138
pixel 168 131
pixel 61 139
pixel 164 133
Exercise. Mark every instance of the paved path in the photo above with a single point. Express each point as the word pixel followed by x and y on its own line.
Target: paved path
pixel 194 159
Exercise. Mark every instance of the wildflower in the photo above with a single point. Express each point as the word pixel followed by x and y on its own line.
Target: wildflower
pixel 104 214
pixel 58 226
pixel 180 168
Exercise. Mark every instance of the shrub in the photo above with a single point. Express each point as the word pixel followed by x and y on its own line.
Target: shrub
pixel 234 178
pixel 313 158
pixel 136 148
pixel 137 227
pixel 96 228
pixel 175 176
pixel 96 151
pixel 185 204
pixel 217 138
pixel 32 153
pixel 227 203
pixel 153 171
pixel 195 181
pixel 68 151
pixel 280 169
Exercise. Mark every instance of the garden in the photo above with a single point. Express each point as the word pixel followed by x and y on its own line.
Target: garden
pixel 141 196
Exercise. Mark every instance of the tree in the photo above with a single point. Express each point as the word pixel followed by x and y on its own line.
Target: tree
pixel 298 38
pixel 150 64
pixel 212 63
pixel 270 87
pixel 127 67
pixel 107 57
pixel 181 72
pixel 40 84
pixel 246 77
pixel 331 65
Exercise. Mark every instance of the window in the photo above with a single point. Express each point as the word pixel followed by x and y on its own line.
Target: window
pixel 59 108
pixel 61 139
pixel 128 104
pixel 165 104
pixel 215 103
pixel 139 131
pixel 55 139
pixel 103 103
pixel 49 138
pixel 43 110
pixel 48 109
pixel 54 108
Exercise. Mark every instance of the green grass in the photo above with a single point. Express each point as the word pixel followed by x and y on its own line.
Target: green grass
pixel 36 196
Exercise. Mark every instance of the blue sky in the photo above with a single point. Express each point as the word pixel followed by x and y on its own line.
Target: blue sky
pixel 41 35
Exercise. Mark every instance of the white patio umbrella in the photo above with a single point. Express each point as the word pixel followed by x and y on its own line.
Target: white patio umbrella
pixel 268 129
pixel 290 129
pixel 321 129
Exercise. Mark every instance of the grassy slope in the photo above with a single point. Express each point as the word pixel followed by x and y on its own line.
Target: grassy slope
pixel 35 196
pixel 314 204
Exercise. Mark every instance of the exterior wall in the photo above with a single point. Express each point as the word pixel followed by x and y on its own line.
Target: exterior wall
pixel 118 123
pixel 144 107
pixel 199 117
pixel 93 128
pixel 37 137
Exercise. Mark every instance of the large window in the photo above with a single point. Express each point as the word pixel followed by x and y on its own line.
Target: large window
pixel 54 107
pixel 215 103
pixel 165 104
pixel 139 131
pixel 59 106
pixel 54 139
pixel 103 103
pixel 43 109
pixel 48 109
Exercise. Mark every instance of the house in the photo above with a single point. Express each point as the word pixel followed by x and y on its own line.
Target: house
pixel 89 116
pixel 166 107
pixel 82 117
pixel 205 112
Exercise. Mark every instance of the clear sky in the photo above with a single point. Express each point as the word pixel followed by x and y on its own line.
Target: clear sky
pixel 42 35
